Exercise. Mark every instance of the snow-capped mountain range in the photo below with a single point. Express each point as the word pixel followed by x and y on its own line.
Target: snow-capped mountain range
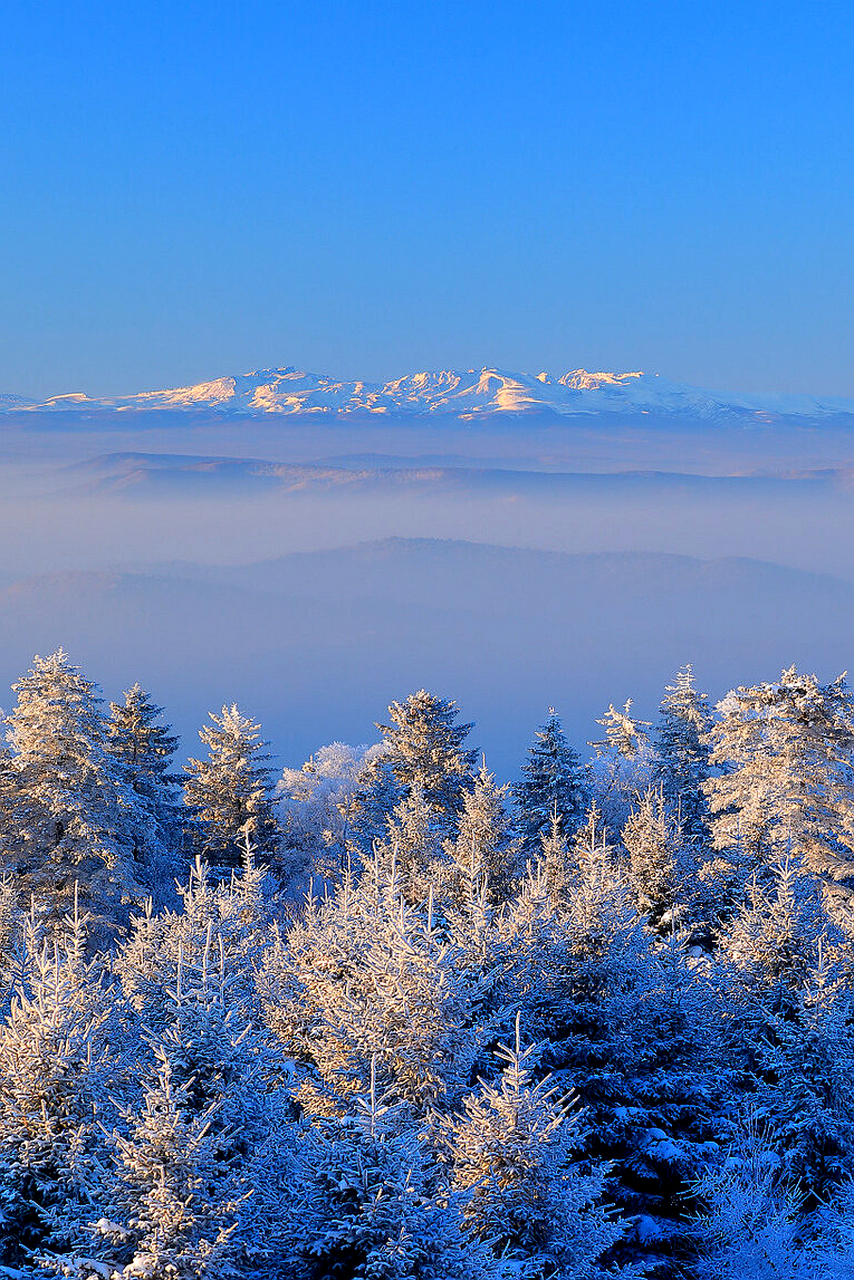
pixel 464 394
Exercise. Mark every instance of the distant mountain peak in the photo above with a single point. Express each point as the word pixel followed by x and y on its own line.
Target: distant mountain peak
pixel 462 394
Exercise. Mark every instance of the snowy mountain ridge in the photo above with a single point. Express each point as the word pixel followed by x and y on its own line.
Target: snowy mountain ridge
pixel 463 394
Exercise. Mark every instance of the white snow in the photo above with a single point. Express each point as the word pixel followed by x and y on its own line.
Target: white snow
pixel 463 394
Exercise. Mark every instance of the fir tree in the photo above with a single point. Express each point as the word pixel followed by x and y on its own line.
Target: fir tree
pixel 512 1150
pixel 171 1205
pixel 681 766
pixel 412 842
pixel 651 839
pixel 230 794
pixel 369 1202
pixel 75 822
pixel 232 920
pixel 376 795
pixel 622 765
pixel 146 751
pixel 425 748
pixel 787 785
pixel 55 1065
pixel 553 786
pixel 485 849
pixel 749 1223
pixel 361 975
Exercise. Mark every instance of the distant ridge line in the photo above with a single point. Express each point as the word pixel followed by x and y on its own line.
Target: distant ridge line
pixel 466 395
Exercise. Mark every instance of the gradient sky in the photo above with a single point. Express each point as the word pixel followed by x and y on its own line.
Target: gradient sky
pixel 366 189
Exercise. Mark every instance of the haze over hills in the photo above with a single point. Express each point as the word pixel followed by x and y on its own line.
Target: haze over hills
pixel 466 395
pixel 188 475
pixel 319 642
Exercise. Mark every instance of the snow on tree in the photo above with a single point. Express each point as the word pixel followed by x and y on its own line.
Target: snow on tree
pixel 370 1202
pixel 790 1012
pixel 411 842
pixel 146 750
pixel 622 765
pixel 749 1221
pixel 624 734
pixel 806 1089
pixel 555 861
pixel 485 848
pixel 75 822
pixel 317 803
pixel 235 917
pixel 373 800
pixel 362 975
pixel 184 1159
pixel 681 766
pixel 57 1047
pixel 553 785
pixel 787 780
pixel 652 839
pixel 426 748
pixel 512 1150
pixel 171 1205
pixel 775 938
pixel 230 794
pixel 628 1030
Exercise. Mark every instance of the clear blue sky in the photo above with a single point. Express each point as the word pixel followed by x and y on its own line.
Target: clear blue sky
pixel 368 188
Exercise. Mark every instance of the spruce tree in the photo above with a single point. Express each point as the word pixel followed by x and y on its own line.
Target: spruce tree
pixel 369 1201
pixel 230 794
pixel 375 796
pixel 622 763
pixel 171 1203
pixel 146 750
pixel 485 848
pixel 426 748
pixel 412 842
pixel 360 976
pixel 682 753
pixel 58 1048
pixel 512 1150
pixel 75 822
pixel 786 751
pixel 553 786
pixel 651 839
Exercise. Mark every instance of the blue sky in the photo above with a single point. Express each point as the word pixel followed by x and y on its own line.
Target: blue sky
pixel 365 189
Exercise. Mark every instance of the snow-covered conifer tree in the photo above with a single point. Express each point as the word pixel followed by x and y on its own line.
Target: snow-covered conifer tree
pixel 806 1084
pixel 57 1048
pixel 368 1200
pixel 651 839
pixel 76 822
pixel 170 1207
pixel 426 748
pixel 787 780
pixel 146 751
pixel 230 794
pixel 622 765
pixel 749 1222
pixel 484 847
pixel 512 1149
pixel 184 1159
pixel 555 860
pixel 234 917
pixel 682 748
pixel 553 785
pixel 412 842
pixel 373 800
pixel 360 975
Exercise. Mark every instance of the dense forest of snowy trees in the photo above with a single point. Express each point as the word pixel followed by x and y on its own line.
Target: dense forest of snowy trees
pixel 400 1020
